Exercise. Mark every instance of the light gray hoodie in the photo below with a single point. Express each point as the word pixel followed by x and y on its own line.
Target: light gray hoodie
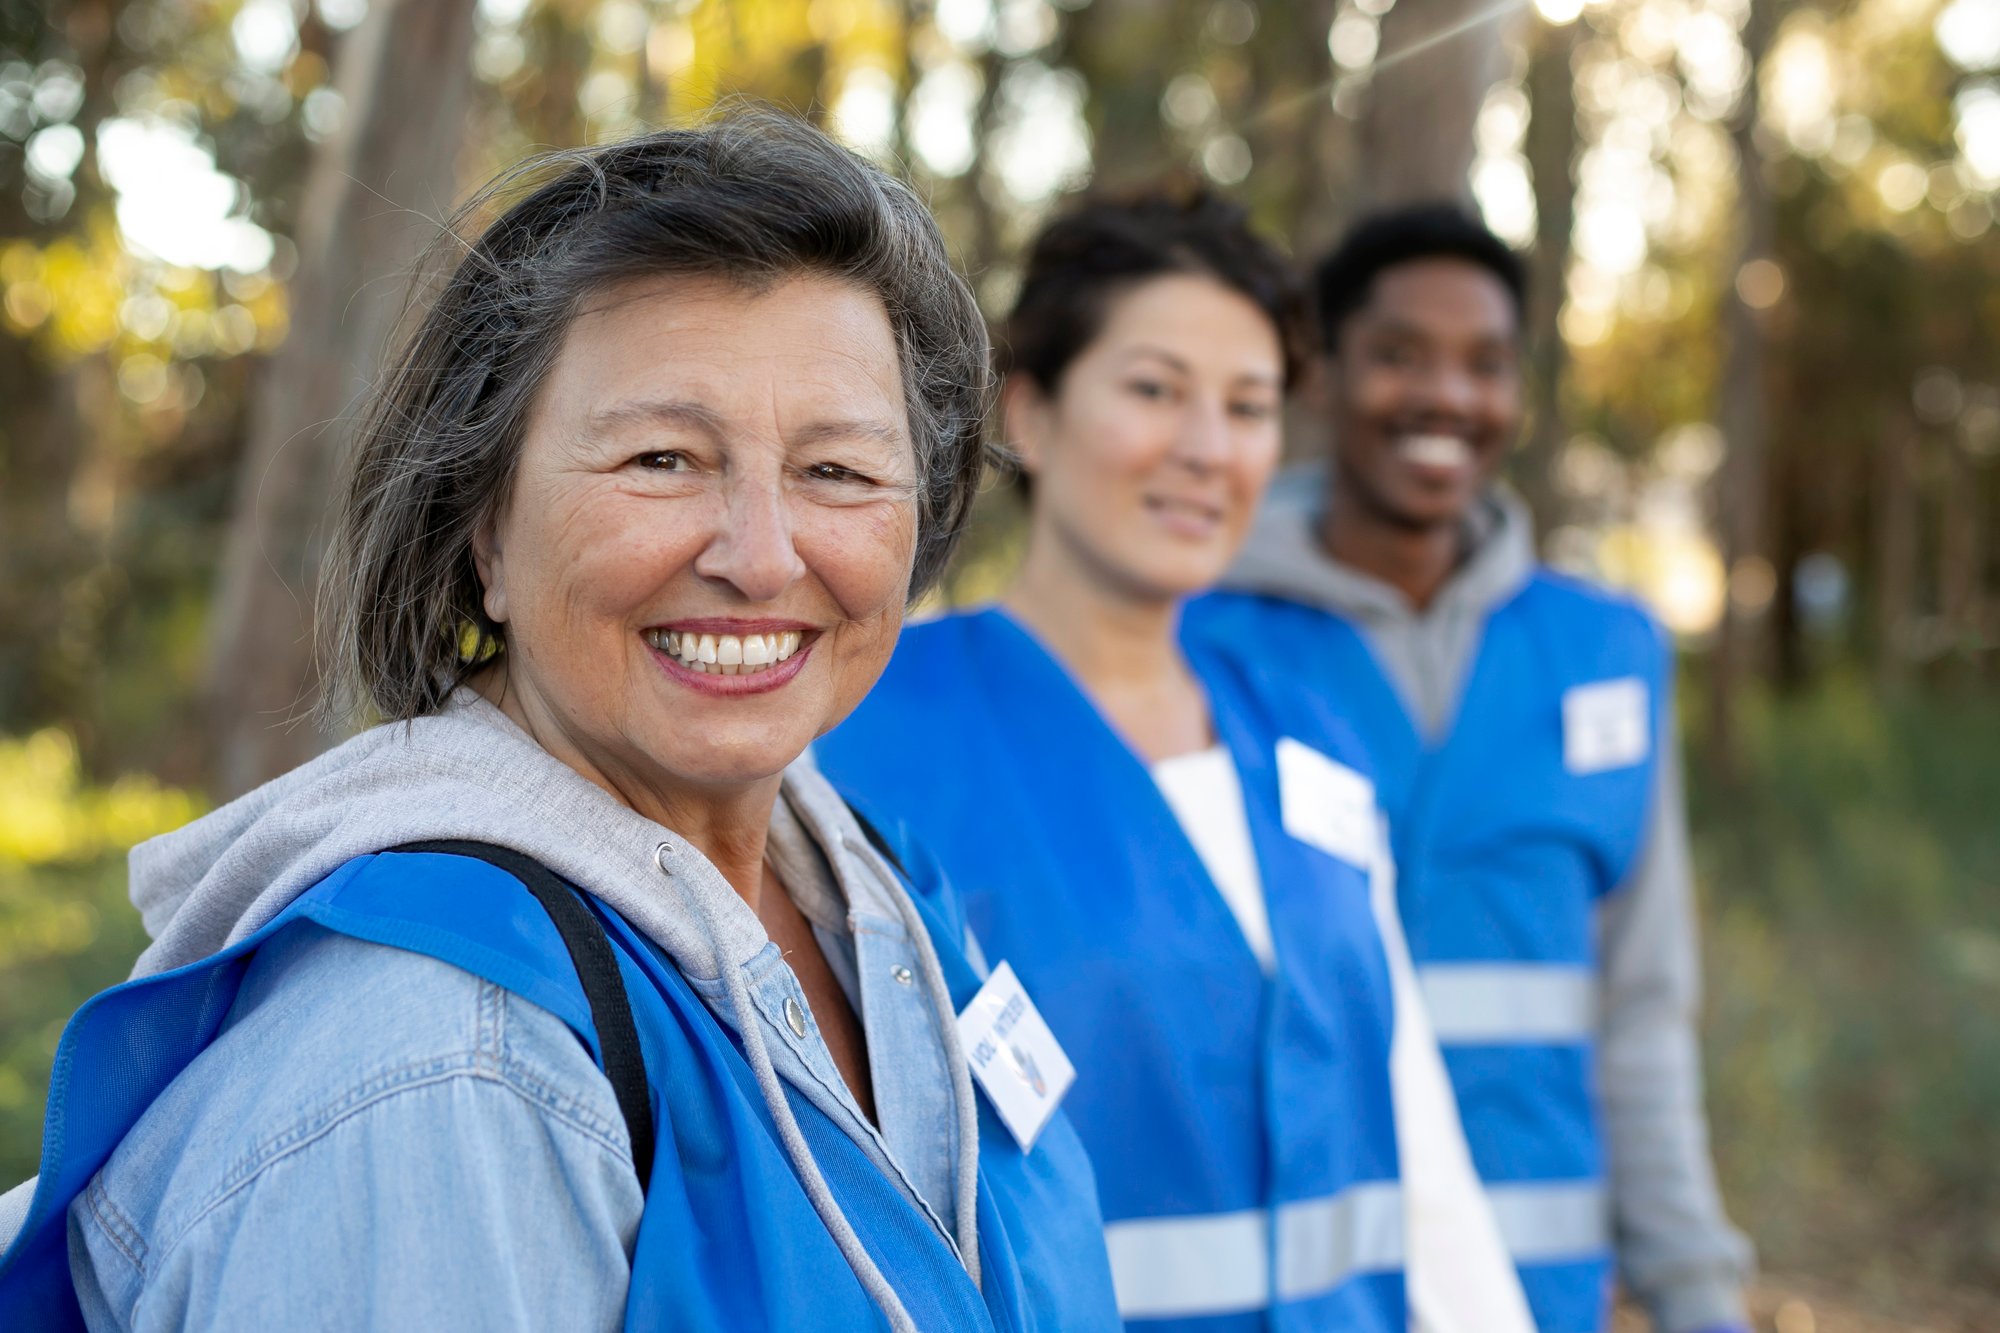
pixel 1676 1249
pixel 471 773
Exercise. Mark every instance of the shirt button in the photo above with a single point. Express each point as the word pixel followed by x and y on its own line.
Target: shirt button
pixel 795 1017
pixel 902 974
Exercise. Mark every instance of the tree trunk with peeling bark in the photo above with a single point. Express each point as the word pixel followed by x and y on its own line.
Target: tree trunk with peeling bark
pixel 375 195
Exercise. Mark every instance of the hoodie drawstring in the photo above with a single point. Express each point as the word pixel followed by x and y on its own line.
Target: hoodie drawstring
pixel 967 1166
pixel 750 1028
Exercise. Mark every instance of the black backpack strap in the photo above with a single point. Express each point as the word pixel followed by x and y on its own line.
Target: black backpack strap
pixel 875 838
pixel 590 951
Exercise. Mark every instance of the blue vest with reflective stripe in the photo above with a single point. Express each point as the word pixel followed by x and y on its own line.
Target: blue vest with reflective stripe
pixel 1241 1128
pixel 1508 832
pixel 728 1240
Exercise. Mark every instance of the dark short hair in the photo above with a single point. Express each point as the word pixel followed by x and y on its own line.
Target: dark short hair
pixel 754 197
pixel 1345 279
pixel 1103 245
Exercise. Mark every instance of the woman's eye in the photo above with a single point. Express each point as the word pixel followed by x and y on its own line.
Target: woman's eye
pixel 664 460
pixel 832 472
pixel 1252 411
pixel 1150 389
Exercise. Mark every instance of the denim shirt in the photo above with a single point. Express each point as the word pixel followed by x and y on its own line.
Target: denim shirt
pixel 350 1071
pixel 915 1140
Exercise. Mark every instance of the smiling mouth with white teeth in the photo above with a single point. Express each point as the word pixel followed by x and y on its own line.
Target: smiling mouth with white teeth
pixel 1439 451
pixel 725 654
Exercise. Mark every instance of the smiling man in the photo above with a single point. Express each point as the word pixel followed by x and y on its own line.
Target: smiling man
pixel 1521 727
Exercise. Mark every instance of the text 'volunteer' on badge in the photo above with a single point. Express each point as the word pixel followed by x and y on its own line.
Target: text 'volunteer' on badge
pixel 1014 1055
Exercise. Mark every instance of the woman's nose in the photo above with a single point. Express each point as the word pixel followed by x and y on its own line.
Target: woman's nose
pixel 754 548
pixel 1203 440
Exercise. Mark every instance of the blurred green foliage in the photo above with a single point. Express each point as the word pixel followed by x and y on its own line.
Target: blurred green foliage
pixel 66 929
pixel 1852 877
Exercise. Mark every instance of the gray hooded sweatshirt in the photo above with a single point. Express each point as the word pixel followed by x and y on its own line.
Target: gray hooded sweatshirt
pixel 471 773
pixel 1676 1250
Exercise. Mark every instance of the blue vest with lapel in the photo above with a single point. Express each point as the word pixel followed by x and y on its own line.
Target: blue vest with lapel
pixel 728 1240
pixel 1241 1126
pixel 1505 845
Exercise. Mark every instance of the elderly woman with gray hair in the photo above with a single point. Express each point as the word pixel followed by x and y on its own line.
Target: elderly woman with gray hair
pixel 565 998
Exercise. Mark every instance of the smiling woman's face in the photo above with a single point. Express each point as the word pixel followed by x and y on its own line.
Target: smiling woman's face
pixel 703 559
pixel 1150 457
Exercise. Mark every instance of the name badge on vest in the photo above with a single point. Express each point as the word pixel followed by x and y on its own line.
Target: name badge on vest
pixel 1014 1055
pixel 1606 725
pixel 1326 804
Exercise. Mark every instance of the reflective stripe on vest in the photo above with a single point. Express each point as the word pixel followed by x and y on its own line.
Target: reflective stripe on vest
pixel 1221 1263
pixel 1501 1004
pixel 1549 1223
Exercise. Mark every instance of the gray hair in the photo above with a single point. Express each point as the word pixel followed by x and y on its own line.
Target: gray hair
pixel 753 197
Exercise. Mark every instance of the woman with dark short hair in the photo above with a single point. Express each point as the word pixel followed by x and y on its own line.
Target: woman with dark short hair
pixel 563 999
pixel 1178 851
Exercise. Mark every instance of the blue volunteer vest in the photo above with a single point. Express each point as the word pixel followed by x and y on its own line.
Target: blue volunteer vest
pixel 1508 832
pixel 1241 1127
pixel 728 1240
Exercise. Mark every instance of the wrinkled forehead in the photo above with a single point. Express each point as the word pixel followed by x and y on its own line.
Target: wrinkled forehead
pixel 804 346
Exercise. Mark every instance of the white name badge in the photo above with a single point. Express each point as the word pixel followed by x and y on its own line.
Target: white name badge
pixel 1326 804
pixel 1606 725
pixel 1014 1055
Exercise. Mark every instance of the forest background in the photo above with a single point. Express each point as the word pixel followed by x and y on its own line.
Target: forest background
pixel 1766 396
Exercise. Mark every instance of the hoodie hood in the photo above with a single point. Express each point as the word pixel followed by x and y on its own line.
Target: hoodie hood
pixel 1427 654
pixel 468 772
pixel 1283 557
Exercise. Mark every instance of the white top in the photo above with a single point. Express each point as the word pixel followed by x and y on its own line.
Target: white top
pixel 1206 797
pixel 1460 1277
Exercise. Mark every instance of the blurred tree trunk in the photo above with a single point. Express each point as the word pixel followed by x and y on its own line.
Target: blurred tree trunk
pixel 1128 51
pixel 1788 497
pixel 371 200
pixel 1313 150
pixel 44 444
pixel 1742 412
pixel 1961 559
pixel 1551 152
pixel 650 81
pixel 1894 538
pixel 1333 151
pixel 1294 136
pixel 1437 60
pixel 984 236
pixel 40 547
pixel 911 16
pixel 559 45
